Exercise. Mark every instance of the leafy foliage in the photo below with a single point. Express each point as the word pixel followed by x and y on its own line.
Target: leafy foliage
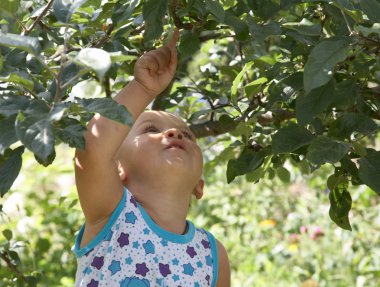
pixel 282 81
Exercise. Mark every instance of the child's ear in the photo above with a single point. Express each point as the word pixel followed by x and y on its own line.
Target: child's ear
pixel 122 172
pixel 198 190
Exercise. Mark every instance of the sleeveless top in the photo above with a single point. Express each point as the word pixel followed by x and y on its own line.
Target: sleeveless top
pixel 132 250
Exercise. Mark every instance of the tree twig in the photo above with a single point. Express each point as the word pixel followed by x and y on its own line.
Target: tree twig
pixel 4 255
pixel 48 5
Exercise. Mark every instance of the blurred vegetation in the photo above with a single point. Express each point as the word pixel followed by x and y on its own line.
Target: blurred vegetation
pixel 276 231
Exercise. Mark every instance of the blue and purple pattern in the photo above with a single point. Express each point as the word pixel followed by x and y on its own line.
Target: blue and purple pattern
pixel 132 251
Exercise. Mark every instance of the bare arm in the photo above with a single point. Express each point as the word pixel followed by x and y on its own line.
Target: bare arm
pixel 97 180
pixel 224 271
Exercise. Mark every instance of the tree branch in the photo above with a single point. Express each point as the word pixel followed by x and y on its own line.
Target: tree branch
pixel 4 255
pixel 215 128
pixel 48 5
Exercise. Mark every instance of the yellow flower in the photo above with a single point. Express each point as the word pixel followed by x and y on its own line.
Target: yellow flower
pixel 267 223
pixel 293 248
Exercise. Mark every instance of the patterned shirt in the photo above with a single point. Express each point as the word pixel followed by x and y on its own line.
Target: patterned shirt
pixel 132 251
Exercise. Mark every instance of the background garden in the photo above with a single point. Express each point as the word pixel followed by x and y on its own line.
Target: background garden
pixel 283 96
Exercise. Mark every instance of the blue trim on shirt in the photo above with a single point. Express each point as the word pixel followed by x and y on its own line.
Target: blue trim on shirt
pixel 167 235
pixel 215 259
pixel 102 234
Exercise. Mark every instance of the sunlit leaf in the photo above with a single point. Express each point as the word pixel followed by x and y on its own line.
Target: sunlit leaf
pixel 320 66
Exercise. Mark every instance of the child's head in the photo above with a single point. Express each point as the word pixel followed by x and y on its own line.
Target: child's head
pixel 158 145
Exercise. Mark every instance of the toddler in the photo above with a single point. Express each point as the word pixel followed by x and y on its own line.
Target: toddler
pixel 135 186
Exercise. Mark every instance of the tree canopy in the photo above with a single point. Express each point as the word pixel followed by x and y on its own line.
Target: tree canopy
pixel 265 83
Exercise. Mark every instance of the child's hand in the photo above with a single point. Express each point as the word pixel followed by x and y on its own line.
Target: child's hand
pixel 156 69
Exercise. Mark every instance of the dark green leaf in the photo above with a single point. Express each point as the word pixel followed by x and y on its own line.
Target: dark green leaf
pixel 283 174
pixel 323 149
pixel 369 170
pixel 286 89
pixel 71 132
pixel 290 138
pixel 310 105
pixel 64 9
pixel 240 27
pixel 36 133
pixel 11 105
pixel 108 108
pixel 7 234
pixel 7 133
pixel 216 9
pixel 319 68
pixel 340 205
pixel 264 8
pixel 349 123
pixel 153 13
pixel 345 94
pixel 9 169
pixel 248 161
pixel 189 45
pixel 43 245
pixel 371 8
pixel 26 43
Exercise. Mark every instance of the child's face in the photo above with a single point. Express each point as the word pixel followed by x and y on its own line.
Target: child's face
pixel 159 142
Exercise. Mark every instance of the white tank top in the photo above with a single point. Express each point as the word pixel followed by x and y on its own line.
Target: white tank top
pixel 133 251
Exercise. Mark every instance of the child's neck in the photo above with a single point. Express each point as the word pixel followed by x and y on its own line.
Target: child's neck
pixel 166 205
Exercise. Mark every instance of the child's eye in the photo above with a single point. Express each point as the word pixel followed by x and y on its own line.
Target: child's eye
pixel 151 129
pixel 188 135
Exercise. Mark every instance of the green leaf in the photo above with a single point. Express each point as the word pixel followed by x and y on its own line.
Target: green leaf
pixel 108 108
pixel 264 8
pixel 43 245
pixel 248 161
pixel 96 59
pixel 238 80
pixel 340 205
pixel 349 123
pixel 7 133
pixel 371 8
pixel 286 89
pixel 290 138
pixel 11 105
pixel 240 27
pixel 374 30
pixel 311 105
pixel 323 149
pixel 64 9
pixel 36 133
pixel 319 68
pixel 9 169
pixel 305 27
pixel 153 13
pixel 18 79
pixel 7 234
pixel 189 45
pixel 283 174
pixel 10 6
pixel 345 94
pixel 216 9
pixel 369 169
pixel 71 132
pixel 26 43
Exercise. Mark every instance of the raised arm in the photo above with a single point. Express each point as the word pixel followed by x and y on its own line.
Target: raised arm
pixel 97 180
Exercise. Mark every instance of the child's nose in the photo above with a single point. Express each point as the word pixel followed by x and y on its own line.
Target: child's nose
pixel 174 133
